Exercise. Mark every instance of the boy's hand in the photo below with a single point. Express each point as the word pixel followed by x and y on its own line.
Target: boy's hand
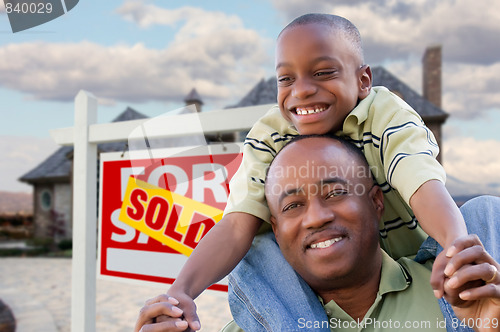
pixel 160 306
pixel 438 275
pixel 474 285
pixel 188 307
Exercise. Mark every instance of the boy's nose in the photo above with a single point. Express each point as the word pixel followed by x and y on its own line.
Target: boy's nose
pixel 303 88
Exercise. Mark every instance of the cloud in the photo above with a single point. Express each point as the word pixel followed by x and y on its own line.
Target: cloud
pixel 468 30
pixel 197 20
pixel 21 154
pixel 469 91
pixel 472 160
pixel 211 51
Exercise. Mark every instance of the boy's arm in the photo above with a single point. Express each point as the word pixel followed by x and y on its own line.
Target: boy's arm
pixel 440 218
pixel 229 240
pixel 214 257
pixel 437 213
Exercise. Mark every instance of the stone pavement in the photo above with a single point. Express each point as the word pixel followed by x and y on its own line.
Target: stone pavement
pixel 38 291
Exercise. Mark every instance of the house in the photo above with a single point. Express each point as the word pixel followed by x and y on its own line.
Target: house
pixel 52 189
pixel 52 178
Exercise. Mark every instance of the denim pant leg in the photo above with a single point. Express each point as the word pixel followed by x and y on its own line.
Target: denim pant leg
pixel 266 294
pixel 264 277
pixel 482 217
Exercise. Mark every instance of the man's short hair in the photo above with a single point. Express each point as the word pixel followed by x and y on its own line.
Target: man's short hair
pixel 353 150
pixel 337 23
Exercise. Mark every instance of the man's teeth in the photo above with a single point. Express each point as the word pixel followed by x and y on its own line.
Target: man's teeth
pixel 325 244
pixel 308 110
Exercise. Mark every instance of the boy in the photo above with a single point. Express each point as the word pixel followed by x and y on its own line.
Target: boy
pixel 325 87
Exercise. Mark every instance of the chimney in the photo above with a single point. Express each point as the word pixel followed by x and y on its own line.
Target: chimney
pixel 432 74
pixel 194 98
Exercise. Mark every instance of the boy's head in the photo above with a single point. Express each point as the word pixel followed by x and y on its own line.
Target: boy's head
pixel 321 72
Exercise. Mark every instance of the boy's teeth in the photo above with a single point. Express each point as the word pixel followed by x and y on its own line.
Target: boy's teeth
pixel 325 244
pixel 304 111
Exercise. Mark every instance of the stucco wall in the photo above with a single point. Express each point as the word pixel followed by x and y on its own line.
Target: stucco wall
pixel 52 216
pixel 42 214
pixel 62 206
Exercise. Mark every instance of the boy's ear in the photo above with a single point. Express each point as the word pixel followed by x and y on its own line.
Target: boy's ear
pixel 365 81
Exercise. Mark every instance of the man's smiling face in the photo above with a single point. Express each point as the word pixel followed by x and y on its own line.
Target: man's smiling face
pixel 325 213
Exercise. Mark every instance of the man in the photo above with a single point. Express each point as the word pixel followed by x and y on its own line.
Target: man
pixel 325 210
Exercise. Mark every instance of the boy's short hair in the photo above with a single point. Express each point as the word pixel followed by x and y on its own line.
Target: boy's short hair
pixel 337 23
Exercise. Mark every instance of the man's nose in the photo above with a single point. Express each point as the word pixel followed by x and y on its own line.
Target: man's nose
pixel 303 88
pixel 318 214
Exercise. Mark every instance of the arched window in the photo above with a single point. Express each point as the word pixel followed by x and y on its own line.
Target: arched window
pixel 46 200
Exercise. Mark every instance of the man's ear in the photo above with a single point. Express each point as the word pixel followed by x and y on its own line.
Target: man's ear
pixel 377 197
pixel 365 81
pixel 273 225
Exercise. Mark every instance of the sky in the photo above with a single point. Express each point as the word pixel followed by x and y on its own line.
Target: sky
pixel 148 55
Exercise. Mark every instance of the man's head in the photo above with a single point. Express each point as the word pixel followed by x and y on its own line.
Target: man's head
pixel 325 210
pixel 320 72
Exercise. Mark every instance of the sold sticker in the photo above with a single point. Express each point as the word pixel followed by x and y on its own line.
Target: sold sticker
pixel 172 219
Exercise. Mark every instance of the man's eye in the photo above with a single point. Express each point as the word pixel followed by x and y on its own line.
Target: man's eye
pixel 290 206
pixel 337 193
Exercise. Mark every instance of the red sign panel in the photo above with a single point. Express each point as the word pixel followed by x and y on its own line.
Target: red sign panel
pixel 200 175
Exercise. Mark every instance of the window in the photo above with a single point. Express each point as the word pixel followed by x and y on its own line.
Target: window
pixel 46 200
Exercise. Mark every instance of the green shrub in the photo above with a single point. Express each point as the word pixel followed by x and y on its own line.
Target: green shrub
pixel 65 244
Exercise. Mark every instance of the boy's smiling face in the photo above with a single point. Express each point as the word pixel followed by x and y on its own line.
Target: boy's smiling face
pixel 320 78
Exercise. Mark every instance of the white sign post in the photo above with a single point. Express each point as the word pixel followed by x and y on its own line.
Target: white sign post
pixel 83 282
pixel 85 136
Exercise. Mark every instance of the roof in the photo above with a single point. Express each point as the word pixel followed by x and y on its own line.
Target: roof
pixel 57 167
pixel 425 108
pixel 129 114
pixel 265 92
pixel 193 96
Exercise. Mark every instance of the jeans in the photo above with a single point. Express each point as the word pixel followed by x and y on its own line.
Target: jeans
pixel 482 217
pixel 266 294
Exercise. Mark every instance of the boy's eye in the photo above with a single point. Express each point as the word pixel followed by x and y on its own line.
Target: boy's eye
pixel 284 80
pixel 325 73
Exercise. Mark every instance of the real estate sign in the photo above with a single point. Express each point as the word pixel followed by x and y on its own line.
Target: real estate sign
pixel 156 205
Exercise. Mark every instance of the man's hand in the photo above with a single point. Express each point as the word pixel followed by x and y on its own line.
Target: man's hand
pixel 473 287
pixel 161 306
